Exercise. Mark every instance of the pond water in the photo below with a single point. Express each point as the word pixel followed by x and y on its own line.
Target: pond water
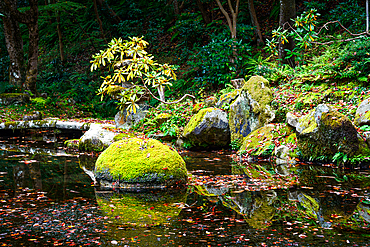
pixel 47 198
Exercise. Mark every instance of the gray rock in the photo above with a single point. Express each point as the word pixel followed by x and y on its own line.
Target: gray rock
pixel 125 121
pixel 97 138
pixel 291 119
pixel 209 127
pixel 33 116
pixel 325 132
pixel 362 116
pixel 251 109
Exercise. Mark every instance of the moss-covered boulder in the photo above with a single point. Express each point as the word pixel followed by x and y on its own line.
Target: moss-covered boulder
pixel 14 98
pixel 208 128
pixel 264 141
pixel 140 161
pixel 362 116
pixel 73 143
pixel 323 132
pixel 251 109
pixel 161 118
pixel 226 99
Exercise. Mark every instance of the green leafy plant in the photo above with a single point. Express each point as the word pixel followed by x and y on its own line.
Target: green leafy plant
pixel 218 62
pixel 235 144
pixel 134 70
pixel 303 34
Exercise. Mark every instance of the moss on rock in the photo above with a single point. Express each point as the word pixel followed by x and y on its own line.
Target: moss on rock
pixel 209 127
pixel 138 160
pixel 73 143
pixel 257 87
pixel 123 136
pixel 262 141
pixel 324 132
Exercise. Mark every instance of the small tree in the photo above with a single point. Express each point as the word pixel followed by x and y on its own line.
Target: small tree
pixel 134 70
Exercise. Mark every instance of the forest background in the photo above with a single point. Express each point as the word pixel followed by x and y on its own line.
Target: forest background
pixel 46 48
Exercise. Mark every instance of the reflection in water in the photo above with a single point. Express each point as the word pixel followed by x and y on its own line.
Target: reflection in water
pixel 140 209
pixel 47 199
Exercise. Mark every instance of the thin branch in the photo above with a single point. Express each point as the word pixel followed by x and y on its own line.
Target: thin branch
pixel 225 14
pixel 357 35
pixel 332 22
pixel 173 102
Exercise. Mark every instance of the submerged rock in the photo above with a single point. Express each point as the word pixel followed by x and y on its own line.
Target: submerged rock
pixel 140 161
pixel 208 128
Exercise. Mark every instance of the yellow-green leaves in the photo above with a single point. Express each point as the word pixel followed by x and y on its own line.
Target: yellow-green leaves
pixel 131 65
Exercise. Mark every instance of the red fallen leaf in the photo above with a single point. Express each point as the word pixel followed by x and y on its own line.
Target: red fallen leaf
pixel 151 208
pixel 165 168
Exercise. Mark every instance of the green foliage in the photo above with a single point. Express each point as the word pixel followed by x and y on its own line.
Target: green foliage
pixel 350 14
pixel 133 70
pixel 235 144
pixel 355 62
pixel 303 35
pixel 218 62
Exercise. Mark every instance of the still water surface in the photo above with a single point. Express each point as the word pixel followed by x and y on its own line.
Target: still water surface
pixel 47 199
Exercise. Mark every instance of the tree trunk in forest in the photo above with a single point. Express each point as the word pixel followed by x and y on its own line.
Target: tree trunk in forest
pixel 231 20
pixel 14 45
pixel 99 21
pixel 287 13
pixel 107 10
pixel 33 48
pixel 255 22
pixel 60 35
pixel 207 18
pixel 30 18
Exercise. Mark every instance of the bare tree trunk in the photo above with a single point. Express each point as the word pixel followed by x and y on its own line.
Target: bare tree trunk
pixel 287 13
pixel 14 45
pixel 30 18
pixel 231 20
pixel 99 21
pixel 367 16
pixel 207 18
pixel 255 22
pixel 33 48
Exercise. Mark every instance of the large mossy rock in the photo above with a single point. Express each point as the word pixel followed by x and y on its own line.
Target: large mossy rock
pixel 208 128
pixel 14 98
pixel 249 107
pixel 267 139
pixel 140 161
pixel 325 132
pixel 362 116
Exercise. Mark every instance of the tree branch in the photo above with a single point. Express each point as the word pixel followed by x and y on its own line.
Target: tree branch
pixel 173 102
pixel 225 14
